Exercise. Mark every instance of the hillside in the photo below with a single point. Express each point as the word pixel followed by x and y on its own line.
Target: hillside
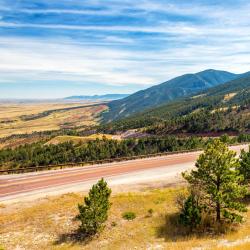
pixel 221 108
pixel 170 90
pixel 79 139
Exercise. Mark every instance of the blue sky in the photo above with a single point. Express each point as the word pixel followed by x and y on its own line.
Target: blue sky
pixel 52 48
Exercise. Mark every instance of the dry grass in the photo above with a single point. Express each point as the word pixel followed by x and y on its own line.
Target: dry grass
pixel 229 96
pixel 198 96
pixel 79 139
pixel 224 109
pixel 11 122
pixel 15 141
pixel 12 111
pixel 48 224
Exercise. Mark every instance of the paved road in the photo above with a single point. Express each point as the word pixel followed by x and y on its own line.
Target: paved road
pixel 132 172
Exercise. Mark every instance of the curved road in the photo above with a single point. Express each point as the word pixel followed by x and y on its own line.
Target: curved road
pixel 131 172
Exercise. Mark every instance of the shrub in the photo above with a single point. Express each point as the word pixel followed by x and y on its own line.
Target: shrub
pixel 128 215
pixel 94 212
pixel 225 138
pixel 150 212
pixel 113 224
pixel 191 212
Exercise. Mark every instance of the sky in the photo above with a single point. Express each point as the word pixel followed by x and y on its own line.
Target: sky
pixel 53 49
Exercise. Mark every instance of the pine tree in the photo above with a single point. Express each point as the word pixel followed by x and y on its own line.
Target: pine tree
pixel 94 212
pixel 219 182
pixel 191 212
pixel 244 166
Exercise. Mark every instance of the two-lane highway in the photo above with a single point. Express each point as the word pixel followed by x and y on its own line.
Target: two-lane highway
pixel 23 185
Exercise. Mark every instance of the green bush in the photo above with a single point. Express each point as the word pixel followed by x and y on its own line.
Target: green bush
pixel 128 215
pixel 225 138
pixel 191 212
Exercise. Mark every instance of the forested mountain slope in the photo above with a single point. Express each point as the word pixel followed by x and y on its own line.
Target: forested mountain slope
pixel 181 86
pixel 222 108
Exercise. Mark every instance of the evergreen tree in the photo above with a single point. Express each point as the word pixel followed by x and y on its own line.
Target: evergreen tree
pixel 94 212
pixel 244 167
pixel 191 212
pixel 217 177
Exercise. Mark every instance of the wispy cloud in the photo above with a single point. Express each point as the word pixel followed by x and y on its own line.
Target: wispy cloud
pixel 174 29
pixel 63 11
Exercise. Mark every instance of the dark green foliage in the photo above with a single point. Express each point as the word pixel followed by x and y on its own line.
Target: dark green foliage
pixel 225 138
pixel 129 215
pixel 244 138
pixel 191 212
pixel 244 166
pixel 218 182
pixel 94 212
pixel 37 154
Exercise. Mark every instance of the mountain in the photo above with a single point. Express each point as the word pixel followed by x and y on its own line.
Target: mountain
pixel 107 97
pixel 224 108
pixel 184 85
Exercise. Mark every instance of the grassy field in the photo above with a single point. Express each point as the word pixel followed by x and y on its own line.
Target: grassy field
pixel 79 139
pixel 27 118
pixel 49 224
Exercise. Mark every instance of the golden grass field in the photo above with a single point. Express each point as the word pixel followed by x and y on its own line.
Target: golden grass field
pixel 11 121
pixel 48 224
pixel 81 139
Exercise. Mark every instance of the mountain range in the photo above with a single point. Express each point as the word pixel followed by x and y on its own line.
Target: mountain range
pixel 223 108
pixel 185 85
pixel 107 97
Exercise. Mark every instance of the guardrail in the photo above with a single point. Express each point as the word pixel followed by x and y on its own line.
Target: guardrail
pixel 87 163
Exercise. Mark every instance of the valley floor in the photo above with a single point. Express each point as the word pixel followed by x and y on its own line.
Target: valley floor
pixel 26 118
pixel 48 224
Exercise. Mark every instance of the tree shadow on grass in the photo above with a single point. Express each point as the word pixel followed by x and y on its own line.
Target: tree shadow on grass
pixel 246 200
pixel 74 237
pixel 171 229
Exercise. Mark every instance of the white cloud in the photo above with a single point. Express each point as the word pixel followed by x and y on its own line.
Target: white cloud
pixel 166 28
pixel 68 11
pixel 51 60
pixel 221 40
pixel 26 59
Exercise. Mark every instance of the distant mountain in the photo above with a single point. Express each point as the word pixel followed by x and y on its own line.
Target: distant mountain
pixel 181 86
pixel 224 108
pixel 107 97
